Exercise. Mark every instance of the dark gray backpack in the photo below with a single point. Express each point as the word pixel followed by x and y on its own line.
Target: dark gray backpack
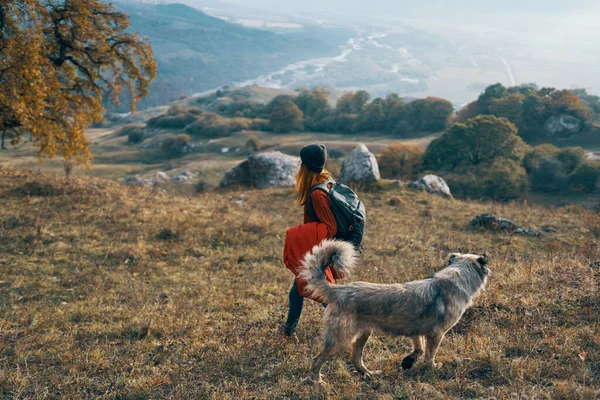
pixel 349 212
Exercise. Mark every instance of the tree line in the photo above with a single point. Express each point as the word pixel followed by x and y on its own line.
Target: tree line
pixel 354 112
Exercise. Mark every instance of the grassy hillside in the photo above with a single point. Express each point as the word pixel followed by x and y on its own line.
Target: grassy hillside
pixel 115 292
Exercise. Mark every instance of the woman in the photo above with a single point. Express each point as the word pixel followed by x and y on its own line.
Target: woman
pixel 317 225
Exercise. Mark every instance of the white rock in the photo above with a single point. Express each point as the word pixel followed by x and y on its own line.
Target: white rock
pixel 432 184
pixel 360 166
pixel 563 125
pixel 183 177
pixel 263 170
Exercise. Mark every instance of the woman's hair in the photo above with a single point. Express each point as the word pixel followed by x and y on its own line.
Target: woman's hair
pixel 305 180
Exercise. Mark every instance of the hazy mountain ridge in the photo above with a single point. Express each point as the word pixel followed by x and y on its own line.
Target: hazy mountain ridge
pixel 197 52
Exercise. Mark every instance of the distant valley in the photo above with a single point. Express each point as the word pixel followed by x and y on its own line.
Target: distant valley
pixel 196 52
pixel 201 49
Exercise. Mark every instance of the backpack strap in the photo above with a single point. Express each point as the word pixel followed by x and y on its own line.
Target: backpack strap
pixel 324 186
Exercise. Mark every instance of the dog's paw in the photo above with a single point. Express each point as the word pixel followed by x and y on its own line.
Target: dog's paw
pixel 434 366
pixel 314 380
pixel 369 375
pixel 408 362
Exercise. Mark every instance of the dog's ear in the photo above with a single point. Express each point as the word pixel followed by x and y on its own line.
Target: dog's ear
pixel 483 260
pixel 452 258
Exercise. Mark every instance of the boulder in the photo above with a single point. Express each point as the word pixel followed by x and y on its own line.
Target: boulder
pixel 158 177
pixel 563 125
pixel 161 176
pixel 432 184
pixel 360 166
pixel 534 232
pixel 183 177
pixel 134 181
pixel 528 231
pixel 264 170
pixel 493 222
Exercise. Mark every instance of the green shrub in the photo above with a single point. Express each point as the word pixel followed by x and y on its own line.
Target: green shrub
pixel 286 117
pixel 571 158
pixel 345 123
pixel 211 125
pixel 174 146
pixel 431 114
pixel 477 141
pixel 534 155
pixel 585 178
pixel 125 130
pixel 504 179
pixel 465 184
pixel 241 107
pixel 176 118
pixel 548 176
pixel 136 136
pixel 253 144
pixel 400 161
pixel 260 124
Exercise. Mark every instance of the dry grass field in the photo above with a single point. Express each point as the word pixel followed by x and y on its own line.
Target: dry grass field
pixel 128 293
pixel 114 158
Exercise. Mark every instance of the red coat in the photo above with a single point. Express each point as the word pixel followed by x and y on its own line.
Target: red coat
pixel 300 240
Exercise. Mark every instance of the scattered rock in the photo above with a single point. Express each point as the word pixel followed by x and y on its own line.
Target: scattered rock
pixel 360 166
pixel 183 177
pixel 563 125
pixel 159 177
pixel 595 264
pixel 493 222
pixel 397 182
pixel 163 298
pixel 167 234
pixel 527 231
pixel 239 200
pixel 240 203
pixel 264 170
pixel 432 184
pixel 134 181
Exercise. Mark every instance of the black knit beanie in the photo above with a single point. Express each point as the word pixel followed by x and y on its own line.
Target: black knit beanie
pixel 314 157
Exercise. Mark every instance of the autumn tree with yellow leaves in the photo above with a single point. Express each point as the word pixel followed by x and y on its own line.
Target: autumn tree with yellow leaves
pixel 58 59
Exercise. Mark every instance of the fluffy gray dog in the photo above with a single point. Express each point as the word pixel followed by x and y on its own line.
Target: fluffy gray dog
pixel 423 310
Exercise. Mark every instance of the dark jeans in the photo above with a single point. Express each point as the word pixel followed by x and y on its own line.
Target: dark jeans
pixel 296 302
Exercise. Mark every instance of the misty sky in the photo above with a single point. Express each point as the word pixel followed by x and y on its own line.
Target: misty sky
pixel 400 7
pixel 551 42
pixel 556 23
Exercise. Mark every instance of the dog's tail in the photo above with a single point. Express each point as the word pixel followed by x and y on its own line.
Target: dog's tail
pixel 339 254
